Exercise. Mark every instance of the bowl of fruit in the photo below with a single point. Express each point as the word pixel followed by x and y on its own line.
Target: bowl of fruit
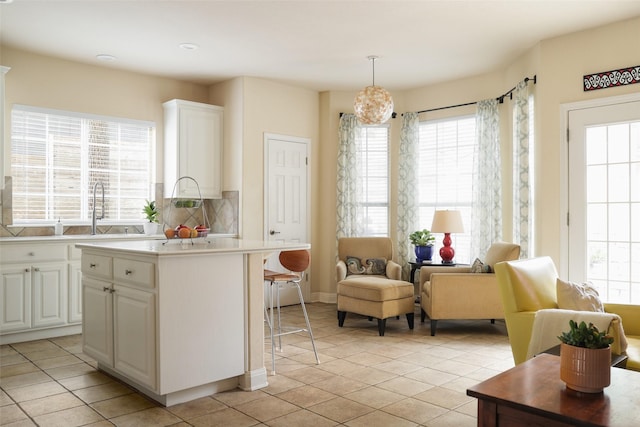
pixel 185 232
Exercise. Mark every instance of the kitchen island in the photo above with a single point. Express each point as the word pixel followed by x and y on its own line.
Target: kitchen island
pixel 177 320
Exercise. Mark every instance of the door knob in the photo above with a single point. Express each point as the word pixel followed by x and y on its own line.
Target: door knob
pixel 272 232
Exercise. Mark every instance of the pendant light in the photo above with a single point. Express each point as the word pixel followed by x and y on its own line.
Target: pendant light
pixel 373 105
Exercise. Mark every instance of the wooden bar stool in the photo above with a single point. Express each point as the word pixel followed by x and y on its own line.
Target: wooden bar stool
pixel 296 262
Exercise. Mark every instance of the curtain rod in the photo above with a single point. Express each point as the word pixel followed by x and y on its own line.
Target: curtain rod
pixel 499 98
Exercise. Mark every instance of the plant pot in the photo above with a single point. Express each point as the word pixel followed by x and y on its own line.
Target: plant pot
pixel 585 369
pixel 424 253
pixel 150 228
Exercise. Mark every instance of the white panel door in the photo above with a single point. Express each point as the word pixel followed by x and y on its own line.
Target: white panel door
pixel 286 199
pixel 604 199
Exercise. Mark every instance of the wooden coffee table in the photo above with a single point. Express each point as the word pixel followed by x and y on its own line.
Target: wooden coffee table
pixel 533 394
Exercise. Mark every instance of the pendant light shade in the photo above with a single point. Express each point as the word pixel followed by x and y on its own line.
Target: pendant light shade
pixel 373 105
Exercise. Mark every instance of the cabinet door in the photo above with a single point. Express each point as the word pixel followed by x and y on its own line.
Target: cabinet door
pixel 75 293
pixel 200 151
pixel 97 321
pixel 15 298
pixel 134 321
pixel 49 283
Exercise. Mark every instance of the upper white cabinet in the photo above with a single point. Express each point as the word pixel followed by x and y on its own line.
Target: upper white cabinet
pixel 193 147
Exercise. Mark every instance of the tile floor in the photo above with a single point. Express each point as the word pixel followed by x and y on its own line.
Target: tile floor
pixel 406 378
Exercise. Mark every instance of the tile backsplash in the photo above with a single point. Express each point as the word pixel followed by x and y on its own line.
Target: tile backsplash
pixel 222 216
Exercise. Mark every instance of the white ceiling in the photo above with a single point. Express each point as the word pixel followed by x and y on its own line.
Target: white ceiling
pixel 322 45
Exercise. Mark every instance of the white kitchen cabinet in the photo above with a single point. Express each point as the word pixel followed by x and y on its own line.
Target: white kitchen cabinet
pixel 75 292
pixel 193 136
pixel 49 294
pixel 34 287
pixel 119 321
pixel 15 298
pixel 134 334
pixel 97 322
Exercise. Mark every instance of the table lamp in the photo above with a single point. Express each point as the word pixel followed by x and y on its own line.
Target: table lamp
pixel 447 222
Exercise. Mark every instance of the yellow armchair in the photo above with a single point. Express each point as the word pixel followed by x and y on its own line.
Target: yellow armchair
pixel 528 286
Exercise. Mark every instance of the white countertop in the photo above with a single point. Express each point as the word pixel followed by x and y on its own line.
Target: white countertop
pixel 199 246
pixel 100 237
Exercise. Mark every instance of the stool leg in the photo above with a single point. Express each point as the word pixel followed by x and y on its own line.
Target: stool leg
pixel 279 317
pixel 273 344
pixel 306 318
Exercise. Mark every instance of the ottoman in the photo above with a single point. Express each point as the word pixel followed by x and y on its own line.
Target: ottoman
pixel 375 296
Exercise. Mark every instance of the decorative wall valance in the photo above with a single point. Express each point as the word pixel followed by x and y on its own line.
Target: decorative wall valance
pixel 605 79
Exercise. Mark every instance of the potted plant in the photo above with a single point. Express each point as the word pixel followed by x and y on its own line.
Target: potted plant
pixel 151 213
pixel 423 241
pixel 585 358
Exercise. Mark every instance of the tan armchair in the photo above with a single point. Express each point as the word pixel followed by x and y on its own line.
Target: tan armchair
pixel 456 293
pixel 364 292
pixel 528 291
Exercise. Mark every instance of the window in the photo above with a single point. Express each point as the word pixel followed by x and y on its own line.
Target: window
pixel 446 175
pixel 57 157
pixel 373 158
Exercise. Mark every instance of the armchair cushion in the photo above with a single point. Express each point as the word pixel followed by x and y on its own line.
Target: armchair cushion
pixel 501 251
pixel 578 296
pixel 534 286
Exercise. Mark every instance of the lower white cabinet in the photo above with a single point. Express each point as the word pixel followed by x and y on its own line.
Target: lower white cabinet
pixel 33 296
pixel 119 329
pixel 15 298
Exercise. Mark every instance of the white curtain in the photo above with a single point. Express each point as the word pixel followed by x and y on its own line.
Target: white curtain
pixel 522 173
pixel 349 185
pixel 486 205
pixel 407 188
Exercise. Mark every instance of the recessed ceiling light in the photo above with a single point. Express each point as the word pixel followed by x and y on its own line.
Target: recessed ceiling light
pixel 105 57
pixel 188 46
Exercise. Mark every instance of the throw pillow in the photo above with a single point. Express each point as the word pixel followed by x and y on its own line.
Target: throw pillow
pixel 479 267
pixel 354 266
pixel 373 266
pixel 377 266
pixel 578 296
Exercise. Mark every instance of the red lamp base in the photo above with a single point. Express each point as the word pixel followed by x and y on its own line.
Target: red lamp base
pixel 446 252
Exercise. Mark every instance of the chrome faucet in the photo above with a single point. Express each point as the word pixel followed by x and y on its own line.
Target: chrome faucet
pixel 94 219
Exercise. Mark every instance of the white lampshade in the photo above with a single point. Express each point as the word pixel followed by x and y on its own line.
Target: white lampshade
pixel 447 222
pixel 373 105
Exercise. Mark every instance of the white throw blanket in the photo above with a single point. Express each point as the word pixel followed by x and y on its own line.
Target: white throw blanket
pixel 549 324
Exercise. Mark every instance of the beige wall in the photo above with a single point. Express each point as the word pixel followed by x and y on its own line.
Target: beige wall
pixel 49 82
pixel 254 106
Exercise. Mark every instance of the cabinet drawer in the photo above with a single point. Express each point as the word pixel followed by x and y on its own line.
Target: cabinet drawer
pixel 135 272
pixel 29 253
pixel 97 265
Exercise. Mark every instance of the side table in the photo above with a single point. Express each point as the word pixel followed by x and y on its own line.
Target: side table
pixel 416 266
pixel 532 393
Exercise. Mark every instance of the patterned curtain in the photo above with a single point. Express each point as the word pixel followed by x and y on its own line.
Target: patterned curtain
pixel 486 205
pixel 407 188
pixel 349 220
pixel 522 174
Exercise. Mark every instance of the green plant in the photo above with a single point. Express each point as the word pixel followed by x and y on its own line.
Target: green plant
pixel 150 211
pixel 422 238
pixel 585 336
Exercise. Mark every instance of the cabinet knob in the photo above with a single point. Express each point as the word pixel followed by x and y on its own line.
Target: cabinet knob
pixel 92 265
pixel 32 253
pixel 36 269
pixel 111 291
pixel 128 272
pixel 26 270
pixel 106 288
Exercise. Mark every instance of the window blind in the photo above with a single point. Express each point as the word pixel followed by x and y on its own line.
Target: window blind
pixel 446 174
pixel 57 157
pixel 373 152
